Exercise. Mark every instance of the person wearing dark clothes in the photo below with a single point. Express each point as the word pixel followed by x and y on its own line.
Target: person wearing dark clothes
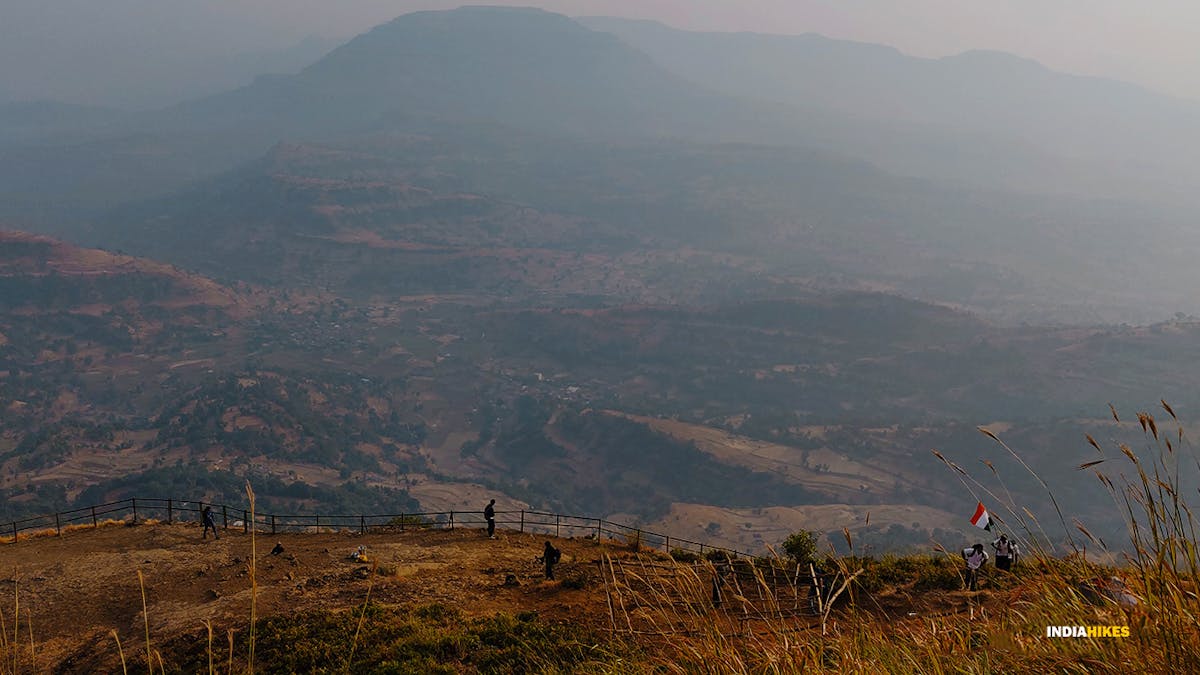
pixel 209 523
pixel 489 512
pixel 718 580
pixel 550 557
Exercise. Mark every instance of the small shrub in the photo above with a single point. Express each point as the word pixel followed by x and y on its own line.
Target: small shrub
pixel 718 556
pixel 574 582
pixel 801 547
pixel 437 612
pixel 409 521
pixel 684 556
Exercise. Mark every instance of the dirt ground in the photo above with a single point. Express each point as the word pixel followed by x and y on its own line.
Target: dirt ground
pixel 76 589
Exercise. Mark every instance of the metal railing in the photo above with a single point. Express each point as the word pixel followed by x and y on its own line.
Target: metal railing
pixel 138 509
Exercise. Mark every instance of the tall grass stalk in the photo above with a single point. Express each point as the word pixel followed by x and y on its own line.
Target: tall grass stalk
pixel 10 648
pixel 1049 492
pixel 253 579
pixel 146 622
pixel 229 634
pixel 209 629
pixel 7 649
pixel 362 616
pixel 16 638
pixel 32 651
pixel 121 652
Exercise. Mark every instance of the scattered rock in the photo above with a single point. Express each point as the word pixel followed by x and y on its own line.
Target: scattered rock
pixel 511 580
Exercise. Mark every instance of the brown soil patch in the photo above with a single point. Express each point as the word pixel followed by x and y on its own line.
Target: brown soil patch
pixel 79 587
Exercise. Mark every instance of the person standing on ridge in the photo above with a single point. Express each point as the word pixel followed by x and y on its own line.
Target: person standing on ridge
pixel 975 557
pixel 1006 552
pixel 209 523
pixel 550 557
pixel 489 513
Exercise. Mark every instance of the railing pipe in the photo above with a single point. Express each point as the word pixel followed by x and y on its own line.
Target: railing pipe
pixel 601 526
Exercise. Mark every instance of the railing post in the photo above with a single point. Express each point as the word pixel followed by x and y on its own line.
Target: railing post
pixel 133 500
pixel 598 522
pixel 14 531
pixel 317 521
pixel 57 525
pixel 402 519
pixel 224 517
pixel 362 524
pixel 170 512
pixel 667 542
pixel 245 521
pixel 522 520
pixel 557 525
pixel 272 523
pixel 452 520
pixel 94 523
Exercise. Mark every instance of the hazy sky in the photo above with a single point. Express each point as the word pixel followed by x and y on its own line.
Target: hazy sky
pixel 1152 42
pixel 44 43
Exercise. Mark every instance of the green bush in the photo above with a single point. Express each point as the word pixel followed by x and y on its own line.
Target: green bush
pixel 918 572
pixel 801 547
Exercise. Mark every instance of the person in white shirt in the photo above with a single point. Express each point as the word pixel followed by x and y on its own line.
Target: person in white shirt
pixel 1006 552
pixel 975 557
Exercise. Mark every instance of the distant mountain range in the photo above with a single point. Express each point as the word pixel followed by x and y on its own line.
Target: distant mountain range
pixel 1011 121
pixel 979 119
pixel 661 134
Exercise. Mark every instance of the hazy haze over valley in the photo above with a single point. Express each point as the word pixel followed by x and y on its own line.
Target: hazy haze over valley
pixel 665 265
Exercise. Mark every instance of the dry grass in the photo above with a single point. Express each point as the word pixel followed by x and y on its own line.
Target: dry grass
pixel 896 615
pixel 74 527
pixel 760 626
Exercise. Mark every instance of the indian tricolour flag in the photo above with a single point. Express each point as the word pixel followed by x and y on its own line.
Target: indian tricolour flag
pixel 981 519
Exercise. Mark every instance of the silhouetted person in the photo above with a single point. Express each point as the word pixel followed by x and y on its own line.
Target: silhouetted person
pixel 489 513
pixel 209 523
pixel 720 571
pixel 550 557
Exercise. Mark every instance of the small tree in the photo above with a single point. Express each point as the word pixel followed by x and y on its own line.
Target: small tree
pixel 801 546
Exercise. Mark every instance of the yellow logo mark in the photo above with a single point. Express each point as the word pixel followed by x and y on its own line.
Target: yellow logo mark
pixel 1087 631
